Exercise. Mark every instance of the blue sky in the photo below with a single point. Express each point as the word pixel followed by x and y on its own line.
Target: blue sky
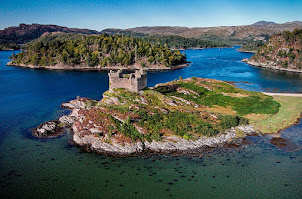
pixel 103 14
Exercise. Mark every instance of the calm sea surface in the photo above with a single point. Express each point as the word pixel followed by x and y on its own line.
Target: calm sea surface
pixel 53 168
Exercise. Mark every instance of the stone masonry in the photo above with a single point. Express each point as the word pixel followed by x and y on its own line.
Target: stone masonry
pixel 133 81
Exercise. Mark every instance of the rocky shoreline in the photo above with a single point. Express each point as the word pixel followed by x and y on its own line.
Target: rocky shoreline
pixel 168 145
pixel 271 65
pixel 246 51
pixel 99 68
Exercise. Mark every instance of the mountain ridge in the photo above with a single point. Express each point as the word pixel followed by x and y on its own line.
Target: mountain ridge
pixel 259 31
pixel 27 32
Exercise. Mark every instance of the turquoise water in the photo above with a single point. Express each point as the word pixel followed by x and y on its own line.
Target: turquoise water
pixel 53 168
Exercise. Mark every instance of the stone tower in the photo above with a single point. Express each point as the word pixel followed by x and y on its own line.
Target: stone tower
pixel 133 81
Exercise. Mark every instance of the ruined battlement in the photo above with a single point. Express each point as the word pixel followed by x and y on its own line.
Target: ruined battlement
pixel 132 82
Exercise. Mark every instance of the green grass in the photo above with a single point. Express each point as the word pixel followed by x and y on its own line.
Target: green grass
pixel 254 102
pixel 289 112
pixel 127 129
pixel 244 105
pixel 178 122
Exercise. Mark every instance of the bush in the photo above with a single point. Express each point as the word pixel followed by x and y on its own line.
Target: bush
pixel 153 136
pixel 187 136
pixel 229 121
pixel 206 129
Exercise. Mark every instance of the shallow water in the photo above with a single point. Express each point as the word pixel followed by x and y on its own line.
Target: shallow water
pixel 52 168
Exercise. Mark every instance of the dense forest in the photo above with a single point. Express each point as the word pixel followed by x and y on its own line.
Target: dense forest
pixel 282 50
pixel 251 46
pixel 8 46
pixel 96 50
pixel 178 42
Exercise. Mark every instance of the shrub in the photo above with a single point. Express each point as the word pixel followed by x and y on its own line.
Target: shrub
pixel 206 129
pixel 153 136
pixel 229 121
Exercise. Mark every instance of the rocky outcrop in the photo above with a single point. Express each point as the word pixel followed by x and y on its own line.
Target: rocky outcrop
pixel 95 144
pixel 48 129
pixel 67 120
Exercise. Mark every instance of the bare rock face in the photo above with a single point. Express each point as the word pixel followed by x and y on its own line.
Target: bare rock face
pixel 169 144
pixel 75 104
pixel 173 144
pixel 67 120
pixel 95 144
pixel 48 129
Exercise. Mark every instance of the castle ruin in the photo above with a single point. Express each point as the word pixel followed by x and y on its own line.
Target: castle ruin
pixel 133 81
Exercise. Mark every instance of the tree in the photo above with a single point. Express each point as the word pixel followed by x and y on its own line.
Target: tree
pixel 150 59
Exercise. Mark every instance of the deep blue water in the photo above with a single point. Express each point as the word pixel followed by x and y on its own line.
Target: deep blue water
pixel 33 168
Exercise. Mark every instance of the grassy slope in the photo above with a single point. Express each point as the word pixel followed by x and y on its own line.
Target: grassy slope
pixel 289 112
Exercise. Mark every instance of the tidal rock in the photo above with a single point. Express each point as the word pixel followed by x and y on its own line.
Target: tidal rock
pixel 48 129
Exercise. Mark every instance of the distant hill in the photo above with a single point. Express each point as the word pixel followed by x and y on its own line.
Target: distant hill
pixel 283 51
pixel 259 31
pixel 211 36
pixel 263 23
pixel 24 33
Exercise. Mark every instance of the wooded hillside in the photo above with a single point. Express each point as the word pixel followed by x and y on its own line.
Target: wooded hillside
pixel 96 50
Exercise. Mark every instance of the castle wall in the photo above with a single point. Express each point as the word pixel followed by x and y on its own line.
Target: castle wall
pixel 134 82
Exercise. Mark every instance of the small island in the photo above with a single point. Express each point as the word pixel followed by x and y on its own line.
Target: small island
pixel 70 51
pixel 183 116
pixel 282 52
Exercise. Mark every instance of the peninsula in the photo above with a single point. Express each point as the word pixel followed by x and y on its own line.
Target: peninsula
pixel 66 51
pixel 282 52
pixel 182 116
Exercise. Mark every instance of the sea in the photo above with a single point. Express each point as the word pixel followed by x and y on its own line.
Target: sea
pixel 55 168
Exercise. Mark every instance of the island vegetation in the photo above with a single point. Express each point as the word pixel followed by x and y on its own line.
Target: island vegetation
pixel 183 115
pixel 95 51
pixel 283 51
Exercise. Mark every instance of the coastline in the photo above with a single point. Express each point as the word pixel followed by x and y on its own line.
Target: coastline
pixel 284 94
pixel 199 48
pixel 99 68
pixel 262 65
pixel 246 51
